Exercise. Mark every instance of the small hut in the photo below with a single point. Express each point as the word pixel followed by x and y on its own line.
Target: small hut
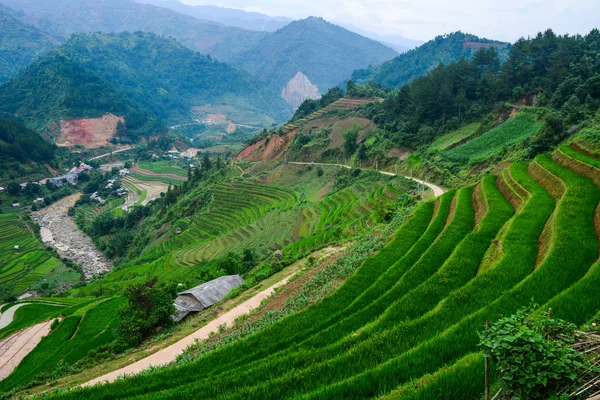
pixel 203 296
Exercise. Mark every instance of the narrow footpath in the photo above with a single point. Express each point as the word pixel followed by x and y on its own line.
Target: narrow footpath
pixel 437 191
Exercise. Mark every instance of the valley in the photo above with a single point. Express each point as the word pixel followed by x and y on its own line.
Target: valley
pixel 207 202
pixel 59 230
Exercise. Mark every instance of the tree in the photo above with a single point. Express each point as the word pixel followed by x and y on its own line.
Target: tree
pixel 149 306
pixel 14 188
pixel 350 138
pixel 206 163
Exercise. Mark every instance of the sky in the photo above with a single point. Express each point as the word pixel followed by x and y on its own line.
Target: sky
pixel 506 20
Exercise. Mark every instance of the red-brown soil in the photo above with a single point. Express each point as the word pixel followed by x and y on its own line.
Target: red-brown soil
pixel 267 151
pixel 90 132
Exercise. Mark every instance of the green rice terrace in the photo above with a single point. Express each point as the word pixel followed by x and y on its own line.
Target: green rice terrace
pixel 23 258
pixel 406 323
pixel 299 212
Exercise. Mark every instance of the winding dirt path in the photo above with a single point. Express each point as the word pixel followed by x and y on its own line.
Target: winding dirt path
pixel 7 316
pixel 437 191
pixel 15 347
pixel 169 354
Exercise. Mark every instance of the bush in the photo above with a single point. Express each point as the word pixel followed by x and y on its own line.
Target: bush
pixel 533 354
pixel 150 305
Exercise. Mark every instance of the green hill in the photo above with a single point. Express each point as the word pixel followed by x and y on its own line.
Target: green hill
pixel 324 52
pixel 407 321
pixel 62 18
pixel 20 44
pixel 417 62
pixel 137 75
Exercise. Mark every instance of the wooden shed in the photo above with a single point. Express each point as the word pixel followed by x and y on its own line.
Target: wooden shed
pixel 203 296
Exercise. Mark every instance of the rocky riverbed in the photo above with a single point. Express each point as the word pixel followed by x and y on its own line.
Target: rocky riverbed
pixel 59 230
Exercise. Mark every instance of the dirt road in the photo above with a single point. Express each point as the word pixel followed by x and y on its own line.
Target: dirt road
pixel 169 354
pixel 14 348
pixel 437 191
pixel 108 154
pixel 7 316
pixel 60 231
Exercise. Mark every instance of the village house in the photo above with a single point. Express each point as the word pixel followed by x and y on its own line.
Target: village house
pixel 71 179
pixel 203 296
pixel 57 181
pixel 190 153
pixel 124 172
pixel 80 169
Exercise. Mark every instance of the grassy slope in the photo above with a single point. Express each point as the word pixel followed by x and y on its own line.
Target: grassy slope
pixel 494 141
pixel 417 334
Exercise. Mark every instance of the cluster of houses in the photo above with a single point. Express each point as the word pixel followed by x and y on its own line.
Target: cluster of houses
pixel 70 178
pixel 174 154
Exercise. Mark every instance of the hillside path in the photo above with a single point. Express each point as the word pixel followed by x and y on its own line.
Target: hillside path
pixel 108 154
pixel 170 353
pixel 437 191
pixel 7 316
pixel 15 347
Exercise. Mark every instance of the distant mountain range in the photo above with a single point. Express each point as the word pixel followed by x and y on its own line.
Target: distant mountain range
pixel 417 62
pixel 326 53
pixel 20 44
pixel 139 75
pixel 227 16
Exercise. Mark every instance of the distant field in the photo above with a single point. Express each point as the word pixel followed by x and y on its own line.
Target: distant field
pixel 162 179
pixel 450 138
pixel 494 141
pixel 163 167
pixel 20 268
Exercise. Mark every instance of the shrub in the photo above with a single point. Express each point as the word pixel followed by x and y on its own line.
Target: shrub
pixel 533 354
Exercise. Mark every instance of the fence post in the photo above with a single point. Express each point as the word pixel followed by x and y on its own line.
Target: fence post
pixel 549 313
pixel 487 368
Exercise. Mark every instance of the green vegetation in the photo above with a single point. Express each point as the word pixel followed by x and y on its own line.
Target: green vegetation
pixel 163 167
pixel 23 258
pixel 324 52
pixel 136 75
pixel 82 331
pixel 21 44
pixel 452 139
pixel 511 132
pixel 413 311
pixel 417 62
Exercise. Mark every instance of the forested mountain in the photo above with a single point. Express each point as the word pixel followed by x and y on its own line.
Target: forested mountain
pixel 20 44
pixel 138 75
pixel 227 16
pixel 558 72
pixel 61 18
pixel 326 53
pixel 443 49
pixel 18 143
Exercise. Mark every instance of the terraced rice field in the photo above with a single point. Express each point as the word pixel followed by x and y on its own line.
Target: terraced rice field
pixel 405 324
pixel 511 132
pixel 20 268
pixel 234 208
pixel 85 328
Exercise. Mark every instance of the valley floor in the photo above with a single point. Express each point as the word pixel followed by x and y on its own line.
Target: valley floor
pixel 60 231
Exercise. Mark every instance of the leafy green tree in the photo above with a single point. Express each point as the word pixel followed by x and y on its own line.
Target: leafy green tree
pixel 350 139
pixel 13 188
pixel 149 306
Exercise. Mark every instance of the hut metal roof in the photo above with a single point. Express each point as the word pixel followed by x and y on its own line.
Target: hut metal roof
pixel 214 291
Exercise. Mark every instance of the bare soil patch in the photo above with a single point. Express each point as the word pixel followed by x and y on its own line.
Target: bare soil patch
pixel 89 132
pixel 264 150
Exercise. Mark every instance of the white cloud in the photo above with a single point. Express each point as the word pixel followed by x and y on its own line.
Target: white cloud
pixel 423 19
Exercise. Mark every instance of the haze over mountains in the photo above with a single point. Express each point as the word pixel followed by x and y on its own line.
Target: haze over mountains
pixel 325 53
